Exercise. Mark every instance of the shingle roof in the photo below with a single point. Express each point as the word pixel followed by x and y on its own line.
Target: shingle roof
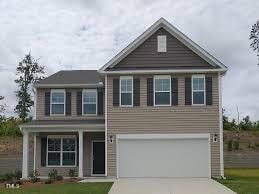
pixel 73 77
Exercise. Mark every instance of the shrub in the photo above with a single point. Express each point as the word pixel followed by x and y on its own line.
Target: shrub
pixel 34 176
pixel 72 173
pixel 230 145
pixel 236 145
pixel 17 174
pixel 53 174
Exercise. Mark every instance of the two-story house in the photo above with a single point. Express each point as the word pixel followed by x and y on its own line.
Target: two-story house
pixel 154 110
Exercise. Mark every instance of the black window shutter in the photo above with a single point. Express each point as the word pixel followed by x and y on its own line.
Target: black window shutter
pixel 47 103
pixel 188 91
pixel 79 103
pixel 68 103
pixel 136 91
pixel 150 92
pixel 43 150
pixel 174 90
pixel 100 101
pixel 116 91
pixel 77 151
pixel 209 90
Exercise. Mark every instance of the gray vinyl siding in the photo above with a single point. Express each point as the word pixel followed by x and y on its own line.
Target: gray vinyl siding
pixel 88 138
pixel 177 55
pixel 167 119
pixel 40 107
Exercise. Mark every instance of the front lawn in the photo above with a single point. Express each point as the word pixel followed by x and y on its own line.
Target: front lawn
pixel 68 188
pixel 242 181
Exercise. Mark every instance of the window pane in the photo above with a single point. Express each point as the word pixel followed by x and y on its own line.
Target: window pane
pixel 198 97
pixel 162 84
pixel 57 109
pixel 57 97
pixel 54 159
pixel 198 83
pixel 69 144
pixel 126 99
pixel 68 158
pixel 89 97
pixel 126 85
pixel 89 108
pixel 54 144
pixel 162 98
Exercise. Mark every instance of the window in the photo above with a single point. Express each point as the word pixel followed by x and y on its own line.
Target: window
pixel 57 102
pixel 89 102
pixel 198 90
pixel 61 151
pixel 161 43
pixel 126 91
pixel 162 90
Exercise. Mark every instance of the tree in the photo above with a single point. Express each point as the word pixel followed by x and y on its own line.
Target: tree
pixel 28 72
pixel 2 108
pixel 254 36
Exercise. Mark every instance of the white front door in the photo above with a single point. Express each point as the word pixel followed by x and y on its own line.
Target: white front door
pixel 175 157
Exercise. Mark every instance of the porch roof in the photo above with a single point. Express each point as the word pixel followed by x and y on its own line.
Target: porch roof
pixel 89 124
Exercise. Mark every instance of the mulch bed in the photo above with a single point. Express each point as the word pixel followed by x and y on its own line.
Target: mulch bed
pixel 29 184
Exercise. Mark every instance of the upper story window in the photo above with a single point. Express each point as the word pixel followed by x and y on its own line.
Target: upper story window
pixel 57 101
pixel 61 151
pixel 162 90
pixel 89 102
pixel 126 91
pixel 161 43
pixel 198 90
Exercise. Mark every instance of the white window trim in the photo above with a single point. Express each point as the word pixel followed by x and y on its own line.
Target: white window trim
pixel 84 91
pixel 61 137
pixel 161 50
pixel 154 89
pixel 123 78
pixel 204 82
pixel 58 90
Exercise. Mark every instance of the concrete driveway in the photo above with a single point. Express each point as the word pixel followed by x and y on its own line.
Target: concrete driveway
pixel 168 186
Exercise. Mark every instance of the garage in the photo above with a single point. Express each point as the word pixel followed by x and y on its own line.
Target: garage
pixel 163 155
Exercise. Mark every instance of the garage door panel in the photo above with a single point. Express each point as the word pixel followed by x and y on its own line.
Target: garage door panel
pixel 163 158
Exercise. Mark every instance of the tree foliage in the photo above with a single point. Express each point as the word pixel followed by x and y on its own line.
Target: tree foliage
pixel 245 124
pixel 254 37
pixel 2 108
pixel 28 72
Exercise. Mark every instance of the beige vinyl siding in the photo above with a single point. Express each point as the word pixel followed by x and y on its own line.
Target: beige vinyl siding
pixel 88 138
pixel 177 55
pixel 40 110
pixel 163 119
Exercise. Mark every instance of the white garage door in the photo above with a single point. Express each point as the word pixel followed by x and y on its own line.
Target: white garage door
pixel 176 157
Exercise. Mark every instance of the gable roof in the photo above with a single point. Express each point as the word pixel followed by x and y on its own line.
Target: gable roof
pixel 217 65
pixel 72 78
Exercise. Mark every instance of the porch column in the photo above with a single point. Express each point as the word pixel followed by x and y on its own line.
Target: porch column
pixel 80 154
pixel 25 154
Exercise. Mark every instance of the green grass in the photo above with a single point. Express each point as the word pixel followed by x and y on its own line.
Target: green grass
pixel 69 188
pixel 242 181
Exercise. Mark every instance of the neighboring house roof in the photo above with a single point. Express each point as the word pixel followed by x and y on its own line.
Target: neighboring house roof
pixel 72 78
pixel 216 65
pixel 63 123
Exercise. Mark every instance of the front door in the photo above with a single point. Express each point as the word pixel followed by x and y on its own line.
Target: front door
pixel 98 158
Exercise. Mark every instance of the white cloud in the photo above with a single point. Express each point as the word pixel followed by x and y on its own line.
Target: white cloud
pixel 84 34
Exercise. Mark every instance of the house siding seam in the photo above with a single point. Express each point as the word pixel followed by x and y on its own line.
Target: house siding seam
pixel 40 104
pixel 170 119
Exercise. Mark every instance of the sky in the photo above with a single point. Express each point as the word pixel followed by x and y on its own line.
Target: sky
pixel 85 34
